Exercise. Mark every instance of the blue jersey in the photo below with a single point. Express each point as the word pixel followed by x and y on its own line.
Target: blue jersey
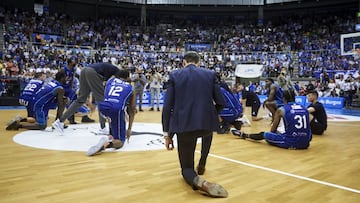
pixel 70 74
pixel 297 133
pixel 296 120
pixel 46 99
pixel 27 96
pixel 76 84
pixel 46 95
pixel 278 97
pixel 117 92
pixel 233 108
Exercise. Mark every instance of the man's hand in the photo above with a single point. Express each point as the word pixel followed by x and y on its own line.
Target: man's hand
pixel 168 141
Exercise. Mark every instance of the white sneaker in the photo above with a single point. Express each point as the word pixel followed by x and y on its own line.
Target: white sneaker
pixel 245 121
pixel 59 126
pixel 267 116
pixel 98 147
pixel 103 131
pixel 18 118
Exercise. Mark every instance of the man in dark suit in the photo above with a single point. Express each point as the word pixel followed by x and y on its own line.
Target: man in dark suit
pixel 189 112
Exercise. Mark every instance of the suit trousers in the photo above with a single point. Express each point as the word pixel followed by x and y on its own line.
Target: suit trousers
pixel 186 149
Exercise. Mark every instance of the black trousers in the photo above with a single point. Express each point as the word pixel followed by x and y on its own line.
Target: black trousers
pixel 186 149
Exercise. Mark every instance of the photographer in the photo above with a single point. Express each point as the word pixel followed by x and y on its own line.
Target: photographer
pixel 155 85
pixel 139 83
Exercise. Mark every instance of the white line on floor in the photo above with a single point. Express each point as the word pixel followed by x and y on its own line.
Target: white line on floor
pixel 285 173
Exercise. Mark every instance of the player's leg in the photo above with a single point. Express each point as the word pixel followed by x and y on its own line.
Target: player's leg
pixel 271 106
pixel 118 129
pixel 255 110
pixel 276 139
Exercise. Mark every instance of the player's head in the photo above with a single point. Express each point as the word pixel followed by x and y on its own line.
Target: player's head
pixel 70 62
pixel 191 57
pixel 239 87
pixel 268 82
pixel 40 76
pixel 288 96
pixel 312 95
pixel 61 77
pixel 123 74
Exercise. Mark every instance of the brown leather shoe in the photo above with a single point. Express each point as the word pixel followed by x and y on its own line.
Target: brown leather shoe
pixel 211 189
pixel 200 169
pixel 13 125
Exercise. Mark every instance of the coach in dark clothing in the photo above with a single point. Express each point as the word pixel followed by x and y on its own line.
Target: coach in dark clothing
pixel 250 98
pixel 318 116
pixel 190 113
pixel 91 79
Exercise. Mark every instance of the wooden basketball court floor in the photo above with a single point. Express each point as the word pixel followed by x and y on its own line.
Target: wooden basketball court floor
pixel 329 171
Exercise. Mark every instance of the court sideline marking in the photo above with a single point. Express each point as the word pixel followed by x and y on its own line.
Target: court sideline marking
pixel 285 173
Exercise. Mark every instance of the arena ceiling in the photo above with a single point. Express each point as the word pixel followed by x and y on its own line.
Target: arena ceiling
pixel 96 8
pixel 202 2
pixel 222 2
pixel 217 2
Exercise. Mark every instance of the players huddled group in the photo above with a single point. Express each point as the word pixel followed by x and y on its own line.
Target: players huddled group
pixel 97 83
pixel 112 91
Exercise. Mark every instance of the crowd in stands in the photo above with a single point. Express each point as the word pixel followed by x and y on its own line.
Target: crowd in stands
pixel 308 44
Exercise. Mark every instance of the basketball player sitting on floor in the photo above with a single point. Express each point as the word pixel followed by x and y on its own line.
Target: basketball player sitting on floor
pixel 297 133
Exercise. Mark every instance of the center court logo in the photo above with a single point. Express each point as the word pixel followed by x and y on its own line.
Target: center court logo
pixel 79 137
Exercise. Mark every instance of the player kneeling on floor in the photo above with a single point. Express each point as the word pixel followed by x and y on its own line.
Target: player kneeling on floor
pixel 118 96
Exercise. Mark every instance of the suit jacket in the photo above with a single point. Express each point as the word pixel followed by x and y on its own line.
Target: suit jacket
pixel 193 100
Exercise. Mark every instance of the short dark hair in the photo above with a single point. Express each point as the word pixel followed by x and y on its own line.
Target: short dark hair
pixel 192 57
pixel 270 79
pixel 59 75
pixel 70 60
pixel 38 74
pixel 313 92
pixel 289 95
